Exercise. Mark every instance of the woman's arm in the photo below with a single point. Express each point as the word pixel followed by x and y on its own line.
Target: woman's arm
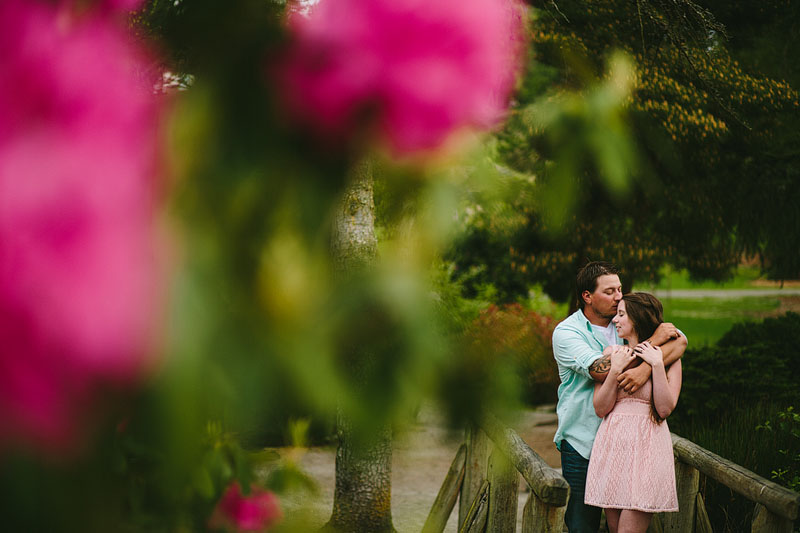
pixel 605 393
pixel 666 383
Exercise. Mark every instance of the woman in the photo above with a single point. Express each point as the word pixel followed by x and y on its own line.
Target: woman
pixel 631 471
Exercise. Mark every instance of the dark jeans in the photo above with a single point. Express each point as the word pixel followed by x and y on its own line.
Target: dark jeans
pixel 580 518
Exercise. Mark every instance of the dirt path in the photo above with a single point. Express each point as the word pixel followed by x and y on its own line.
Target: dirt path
pixel 422 457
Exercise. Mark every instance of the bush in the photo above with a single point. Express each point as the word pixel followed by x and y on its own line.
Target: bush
pixel 524 338
pixel 752 363
pixel 733 403
pixel 718 381
pixel 785 426
pixel 773 338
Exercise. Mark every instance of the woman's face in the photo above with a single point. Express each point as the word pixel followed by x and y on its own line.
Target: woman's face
pixel 623 322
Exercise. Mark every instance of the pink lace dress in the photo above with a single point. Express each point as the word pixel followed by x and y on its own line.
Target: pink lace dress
pixel 632 466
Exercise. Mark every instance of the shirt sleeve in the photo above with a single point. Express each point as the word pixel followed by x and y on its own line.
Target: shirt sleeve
pixel 572 351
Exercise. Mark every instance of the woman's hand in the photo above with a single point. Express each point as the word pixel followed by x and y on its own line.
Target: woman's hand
pixel 651 355
pixel 621 356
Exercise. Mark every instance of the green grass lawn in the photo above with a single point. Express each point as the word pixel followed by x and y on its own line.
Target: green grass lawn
pixel 705 320
pixel 744 277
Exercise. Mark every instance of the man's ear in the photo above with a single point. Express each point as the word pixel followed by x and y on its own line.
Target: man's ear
pixel 587 296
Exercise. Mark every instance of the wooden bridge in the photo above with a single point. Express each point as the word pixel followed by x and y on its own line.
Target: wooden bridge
pixel 484 477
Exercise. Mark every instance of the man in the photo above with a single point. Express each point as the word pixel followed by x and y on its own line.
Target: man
pixel 578 344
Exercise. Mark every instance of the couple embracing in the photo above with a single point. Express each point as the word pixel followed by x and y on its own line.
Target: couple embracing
pixel 620 370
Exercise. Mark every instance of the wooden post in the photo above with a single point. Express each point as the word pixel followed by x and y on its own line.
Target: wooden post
pixel 478 449
pixel 548 484
pixel 701 522
pixel 503 488
pixel 687 480
pixel 765 521
pixel 475 520
pixel 448 494
pixel 539 517
pixel 656 524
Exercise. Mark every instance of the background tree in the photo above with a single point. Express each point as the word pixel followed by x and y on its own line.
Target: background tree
pixel 708 180
pixel 362 498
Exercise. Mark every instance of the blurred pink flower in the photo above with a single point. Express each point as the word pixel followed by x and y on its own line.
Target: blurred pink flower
pixel 257 512
pixel 124 5
pixel 121 6
pixel 77 207
pixel 416 69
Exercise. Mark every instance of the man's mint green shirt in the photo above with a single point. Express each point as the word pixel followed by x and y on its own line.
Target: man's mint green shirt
pixel 576 345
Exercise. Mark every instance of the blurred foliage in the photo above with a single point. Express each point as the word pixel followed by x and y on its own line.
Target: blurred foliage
pixel 524 338
pixel 712 173
pixel 262 329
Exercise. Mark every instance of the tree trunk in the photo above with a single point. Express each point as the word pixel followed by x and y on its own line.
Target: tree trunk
pixel 362 497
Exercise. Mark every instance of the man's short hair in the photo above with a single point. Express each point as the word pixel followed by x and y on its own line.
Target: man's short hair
pixel 587 277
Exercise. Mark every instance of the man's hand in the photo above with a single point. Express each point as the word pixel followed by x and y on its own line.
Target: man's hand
pixel 665 332
pixel 632 379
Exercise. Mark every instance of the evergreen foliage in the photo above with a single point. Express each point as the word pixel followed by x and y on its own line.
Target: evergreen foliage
pixel 715 170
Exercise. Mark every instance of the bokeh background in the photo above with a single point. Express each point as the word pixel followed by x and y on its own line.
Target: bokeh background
pixel 226 227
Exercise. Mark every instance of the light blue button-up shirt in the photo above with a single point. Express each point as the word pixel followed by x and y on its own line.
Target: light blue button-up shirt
pixel 576 345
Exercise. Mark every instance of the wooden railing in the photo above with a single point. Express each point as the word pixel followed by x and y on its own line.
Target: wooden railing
pixel 486 469
pixel 486 473
pixel 776 506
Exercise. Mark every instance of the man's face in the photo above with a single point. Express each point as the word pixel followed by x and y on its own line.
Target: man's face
pixel 606 296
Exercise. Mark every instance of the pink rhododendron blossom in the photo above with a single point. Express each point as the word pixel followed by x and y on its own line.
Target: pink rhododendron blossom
pixel 416 69
pixel 122 6
pixel 256 512
pixel 77 205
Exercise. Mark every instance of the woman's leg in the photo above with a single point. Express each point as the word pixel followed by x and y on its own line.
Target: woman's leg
pixel 631 521
pixel 612 518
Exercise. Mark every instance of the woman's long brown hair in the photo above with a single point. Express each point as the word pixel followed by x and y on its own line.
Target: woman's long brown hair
pixel 645 313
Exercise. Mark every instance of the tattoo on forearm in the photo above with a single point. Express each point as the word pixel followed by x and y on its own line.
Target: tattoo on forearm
pixel 601 366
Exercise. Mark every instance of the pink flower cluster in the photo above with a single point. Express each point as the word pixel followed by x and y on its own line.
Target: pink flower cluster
pixel 77 204
pixel 415 70
pixel 122 6
pixel 257 512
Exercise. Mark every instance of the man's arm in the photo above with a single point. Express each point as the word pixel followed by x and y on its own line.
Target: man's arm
pixel 605 393
pixel 572 351
pixel 674 344
pixel 600 368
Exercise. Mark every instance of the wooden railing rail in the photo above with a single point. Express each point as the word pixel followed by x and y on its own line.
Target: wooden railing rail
pixel 486 474
pixel 546 482
pixel 776 507
pixel 486 470
pixel 776 499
